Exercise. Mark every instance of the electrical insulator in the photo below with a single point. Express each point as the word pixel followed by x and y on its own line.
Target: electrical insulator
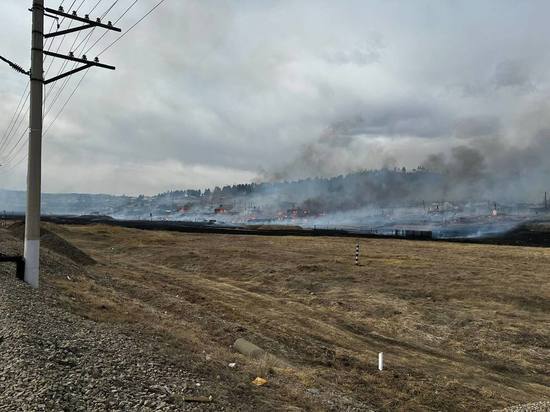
pixel 87 16
pixel 74 13
pixel 61 9
pixel 71 54
pixel 109 24
pixel 84 57
pixel 98 20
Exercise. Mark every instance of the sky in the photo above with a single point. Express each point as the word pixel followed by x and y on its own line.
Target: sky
pixel 214 92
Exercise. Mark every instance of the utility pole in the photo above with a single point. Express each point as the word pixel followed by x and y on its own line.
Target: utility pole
pixel 34 168
pixel 32 216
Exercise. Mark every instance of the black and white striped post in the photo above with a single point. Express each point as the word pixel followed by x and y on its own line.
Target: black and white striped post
pixel 357 254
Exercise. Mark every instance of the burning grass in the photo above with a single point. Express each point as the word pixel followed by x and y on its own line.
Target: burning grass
pixel 463 327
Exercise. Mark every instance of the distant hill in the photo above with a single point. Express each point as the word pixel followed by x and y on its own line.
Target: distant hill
pixel 63 203
pixel 372 188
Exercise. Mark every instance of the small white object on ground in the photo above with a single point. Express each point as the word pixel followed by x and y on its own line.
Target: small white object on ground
pixel 381 361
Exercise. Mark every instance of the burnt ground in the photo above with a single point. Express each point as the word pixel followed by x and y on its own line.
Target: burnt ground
pixel 462 326
pixel 535 232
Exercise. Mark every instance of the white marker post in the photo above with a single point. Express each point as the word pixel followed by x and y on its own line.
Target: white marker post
pixel 381 361
pixel 357 254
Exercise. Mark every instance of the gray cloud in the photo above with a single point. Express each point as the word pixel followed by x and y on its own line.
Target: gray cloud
pixel 361 54
pixel 401 118
pixel 513 73
pixel 210 92
pixel 477 127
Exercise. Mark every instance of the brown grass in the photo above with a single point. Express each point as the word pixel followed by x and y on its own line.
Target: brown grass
pixel 463 327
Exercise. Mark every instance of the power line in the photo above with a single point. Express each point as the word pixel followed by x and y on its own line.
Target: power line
pixel 13 166
pixel 93 8
pixel 5 141
pixel 66 81
pixel 75 50
pixel 16 129
pixel 127 31
pixel 126 11
pixel 69 9
pixel 87 40
pixel 109 9
pixel 13 152
pixel 14 147
pixel 59 46
pixel 84 41
pixel 86 72
pixel 14 119
pixel 79 83
pixel 63 39
pixel 117 20
pixel 87 51
pixel 89 35
pixel 48 92
pixel 61 69
pixel 78 8
pixel 58 94
pixel 66 102
pixel 7 163
pixel 24 96
pixel 53 38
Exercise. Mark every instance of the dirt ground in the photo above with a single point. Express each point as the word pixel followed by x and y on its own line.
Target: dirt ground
pixel 462 327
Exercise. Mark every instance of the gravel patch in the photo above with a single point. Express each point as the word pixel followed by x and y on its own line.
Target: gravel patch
pixel 543 406
pixel 52 360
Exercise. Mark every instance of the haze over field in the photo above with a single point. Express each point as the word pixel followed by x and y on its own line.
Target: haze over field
pixel 211 93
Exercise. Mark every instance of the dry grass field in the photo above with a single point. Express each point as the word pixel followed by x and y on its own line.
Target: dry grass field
pixel 463 327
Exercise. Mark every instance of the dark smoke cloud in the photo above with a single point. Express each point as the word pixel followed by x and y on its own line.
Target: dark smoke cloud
pixel 490 162
pixel 466 164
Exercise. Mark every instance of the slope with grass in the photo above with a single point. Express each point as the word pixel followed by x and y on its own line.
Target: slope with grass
pixel 463 327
